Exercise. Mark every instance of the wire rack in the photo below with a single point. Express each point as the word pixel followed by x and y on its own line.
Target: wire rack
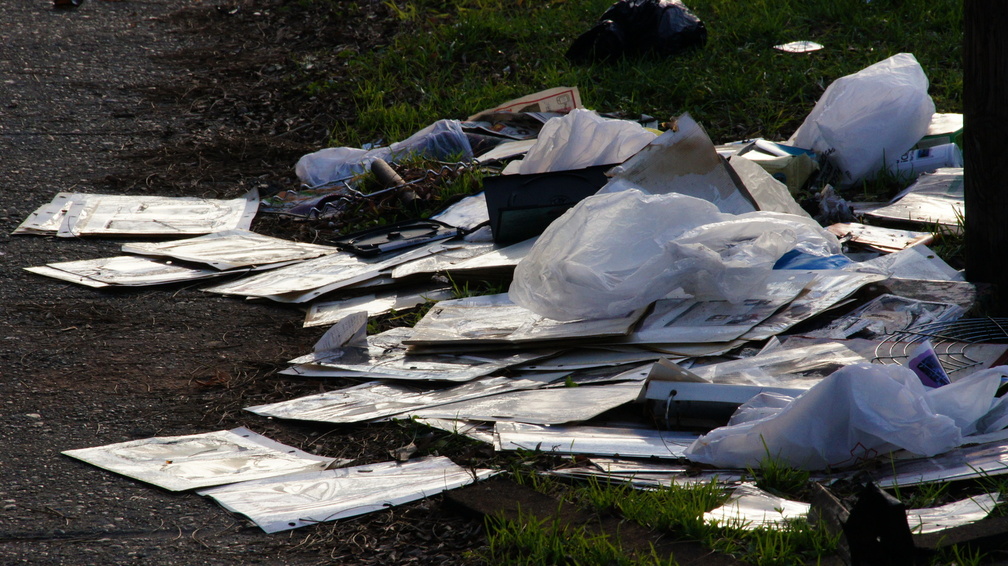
pixel 952 341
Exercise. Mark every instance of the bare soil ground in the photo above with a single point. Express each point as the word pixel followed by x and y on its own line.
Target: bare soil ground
pixel 166 97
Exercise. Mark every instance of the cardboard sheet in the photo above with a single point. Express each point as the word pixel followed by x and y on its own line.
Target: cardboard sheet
pixel 385 357
pixel 231 249
pixel 310 279
pixel 495 320
pixel 555 405
pixel 376 400
pixel 329 312
pixel 193 461
pixel 132 271
pixel 308 498
pixel 622 442
pixel 81 214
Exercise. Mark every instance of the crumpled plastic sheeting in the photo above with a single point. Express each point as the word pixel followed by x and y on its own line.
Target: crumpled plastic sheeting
pixel 443 139
pixel 614 253
pixel 856 413
pixel 581 139
pixel 871 116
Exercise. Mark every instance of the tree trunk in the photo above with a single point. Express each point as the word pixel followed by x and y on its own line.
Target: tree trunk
pixel 985 145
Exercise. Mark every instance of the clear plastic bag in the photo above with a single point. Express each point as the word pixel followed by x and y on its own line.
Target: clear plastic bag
pixel 443 139
pixel 869 118
pixel 616 252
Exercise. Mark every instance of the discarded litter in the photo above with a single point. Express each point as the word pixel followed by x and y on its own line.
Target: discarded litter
pixel 985 459
pixel 769 190
pixel 935 198
pixel 888 314
pixel 962 346
pixel 689 320
pixel 882 110
pixel 799 47
pixel 646 474
pixel 384 356
pixel 614 441
pixel 925 363
pixel 467 214
pixel 443 139
pixel 790 165
pixel 751 508
pixel 201 460
pixel 683 160
pixel 376 400
pixel 495 320
pixel 926 160
pixel 944 128
pixel 522 206
pixel 122 270
pixel 546 406
pixel 581 139
pixel 691 290
pixel 916 262
pixel 304 281
pixel 880 239
pixel 885 407
pixel 715 391
pixel 231 249
pixel 308 498
pixel 631 28
pixel 559 100
pixel 399 236
pixel 957 513
pixel 79 214
pixel 827 289
pixel 613 253
pixel 331 312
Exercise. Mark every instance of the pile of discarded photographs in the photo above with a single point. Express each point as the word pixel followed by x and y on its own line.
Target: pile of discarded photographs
pixel 670 312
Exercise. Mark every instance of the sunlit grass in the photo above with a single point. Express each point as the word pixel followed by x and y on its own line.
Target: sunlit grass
pixel 452 60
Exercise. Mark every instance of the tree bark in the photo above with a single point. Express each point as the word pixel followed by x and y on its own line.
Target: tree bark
pixel 985 145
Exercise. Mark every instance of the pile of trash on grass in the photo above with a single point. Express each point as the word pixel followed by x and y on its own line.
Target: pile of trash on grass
pixel 648 269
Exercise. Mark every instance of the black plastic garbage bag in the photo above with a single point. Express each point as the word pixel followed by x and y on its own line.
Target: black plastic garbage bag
pixel 631 28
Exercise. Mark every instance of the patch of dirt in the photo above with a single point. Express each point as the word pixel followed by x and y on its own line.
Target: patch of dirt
pixel 248 97
pixel 175 98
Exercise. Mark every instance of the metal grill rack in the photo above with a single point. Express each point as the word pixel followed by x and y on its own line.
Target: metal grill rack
pixel 951 340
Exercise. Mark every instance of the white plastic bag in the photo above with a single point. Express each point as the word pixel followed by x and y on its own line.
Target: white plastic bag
pixel 858 412
pixel 581 139
pixel 616 252
pixel 443 139
pixel 869 118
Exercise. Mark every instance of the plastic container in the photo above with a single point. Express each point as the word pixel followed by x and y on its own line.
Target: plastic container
pixel 916 162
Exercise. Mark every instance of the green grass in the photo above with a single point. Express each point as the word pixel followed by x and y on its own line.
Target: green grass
pixel 958 556
pixel 535 542
pixel 676 510
pixel 776 477
pixel 454 59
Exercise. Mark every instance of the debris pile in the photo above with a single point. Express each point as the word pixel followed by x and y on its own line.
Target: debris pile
pixel 674 315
